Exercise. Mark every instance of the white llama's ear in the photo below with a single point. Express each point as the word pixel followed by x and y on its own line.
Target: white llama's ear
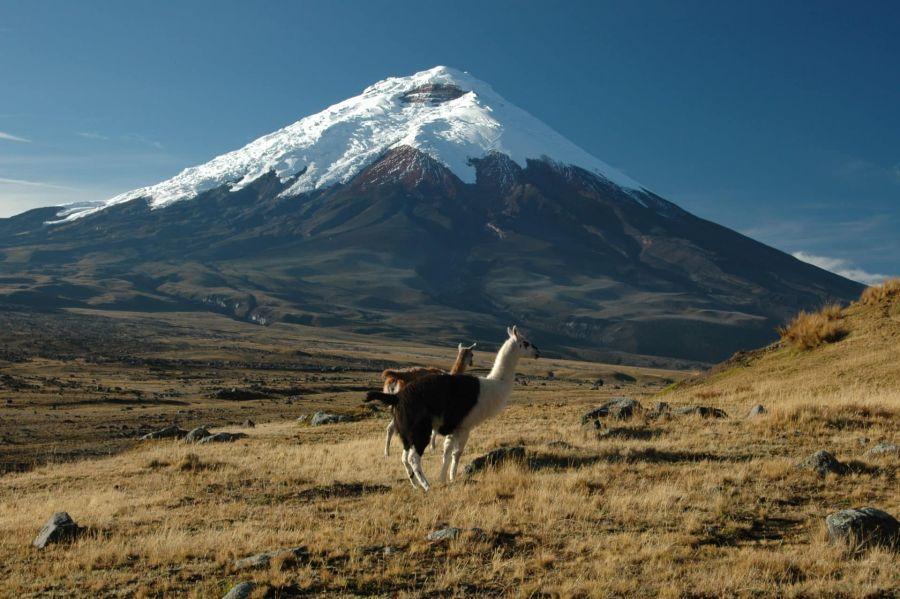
pixel 460 347
pixel 516 331
pixel 509 331
pixel 473 346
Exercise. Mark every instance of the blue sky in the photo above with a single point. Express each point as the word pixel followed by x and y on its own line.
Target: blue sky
pixel 780 120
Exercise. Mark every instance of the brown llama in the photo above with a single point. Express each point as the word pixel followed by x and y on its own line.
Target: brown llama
pixel 397 379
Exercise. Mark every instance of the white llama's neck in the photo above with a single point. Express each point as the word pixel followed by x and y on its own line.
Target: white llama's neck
pixel 505 363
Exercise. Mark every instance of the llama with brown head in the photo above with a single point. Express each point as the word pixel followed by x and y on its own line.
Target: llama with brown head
pixel 397 379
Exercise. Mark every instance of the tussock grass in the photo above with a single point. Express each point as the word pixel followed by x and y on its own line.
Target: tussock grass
pixel 887 292
pixel 808 330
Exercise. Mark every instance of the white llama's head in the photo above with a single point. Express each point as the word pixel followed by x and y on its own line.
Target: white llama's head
pixel 524 346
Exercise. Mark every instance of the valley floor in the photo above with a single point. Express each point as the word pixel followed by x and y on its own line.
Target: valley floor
pixel 672 507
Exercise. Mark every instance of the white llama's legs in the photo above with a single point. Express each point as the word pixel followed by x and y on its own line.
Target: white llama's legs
pixel 433 440
pixel 460 438
pixel 415 461
pixel 445 462
pixel 409 470
pixel 391 429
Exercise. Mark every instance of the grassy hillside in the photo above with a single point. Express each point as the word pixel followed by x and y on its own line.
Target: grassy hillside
pixel 838 360
pixel 677 506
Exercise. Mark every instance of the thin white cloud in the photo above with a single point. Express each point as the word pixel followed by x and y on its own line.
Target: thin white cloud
pixel 11 137
pixel 91 135
pixel 144 140
pixel 841 267
pixel 25 183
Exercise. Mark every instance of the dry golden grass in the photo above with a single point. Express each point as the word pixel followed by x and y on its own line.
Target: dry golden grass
pixel 889 291
pixel 812 329
pixel 680 507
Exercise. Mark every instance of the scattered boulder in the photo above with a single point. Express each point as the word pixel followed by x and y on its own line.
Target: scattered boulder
pixel 884 448
pixel 620 408
pixel 197 434
pixel 169 432
pixel 757 410
pixel 444 534
pixel 823 462
pixel 495 458
pixel 660 409
pixel 59 528
pixel 241 590
pixel 302 418
pixel 597 384
pixel 863 528
pixel 262 560
pixel 249 423
pixel 320 418
pixel 223 437
pixel 702 411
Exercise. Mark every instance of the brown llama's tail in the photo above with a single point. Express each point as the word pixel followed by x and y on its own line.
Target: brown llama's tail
pixel 385 398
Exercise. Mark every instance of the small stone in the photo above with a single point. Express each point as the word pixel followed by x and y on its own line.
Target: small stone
pixel 597 384
pixel 196 434
pixel 702 411
pixel 169 432
pixel 864 527
pixel 756 410
pixel 620 408
pixel 444 534
pixel 320 418
pixel 60 527
pixel 223 437
pixel 262 560
pixel 302 417
pixel 249 423
pixel 660 409
pixel 242 590
pixel 823 462
pixel 495 458
pixel 884 448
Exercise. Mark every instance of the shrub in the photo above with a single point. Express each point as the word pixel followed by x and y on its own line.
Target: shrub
pixel 889 291
pixel 812 329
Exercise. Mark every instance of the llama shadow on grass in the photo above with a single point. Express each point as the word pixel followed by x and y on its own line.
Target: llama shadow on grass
pixel 340 490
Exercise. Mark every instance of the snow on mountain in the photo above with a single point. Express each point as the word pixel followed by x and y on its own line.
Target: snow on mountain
pixel 443 112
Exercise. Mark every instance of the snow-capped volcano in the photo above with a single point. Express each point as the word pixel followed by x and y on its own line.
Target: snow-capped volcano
pixel 445 113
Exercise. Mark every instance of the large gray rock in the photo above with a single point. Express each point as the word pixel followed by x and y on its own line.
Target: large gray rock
pixel 495 458
pixel 241 590
pixel 757 410
pixel 444 534
pixel 59 528
pixel 223 437
pixel 864 527
pixel 884 448
pixel 196 434
pixel 169 432
pixel 702 411
pixel 262 560
pixel 823 462
pixel 620 408
pixel 320 418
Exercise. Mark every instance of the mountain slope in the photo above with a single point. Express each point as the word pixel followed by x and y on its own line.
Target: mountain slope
pixel 414 242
